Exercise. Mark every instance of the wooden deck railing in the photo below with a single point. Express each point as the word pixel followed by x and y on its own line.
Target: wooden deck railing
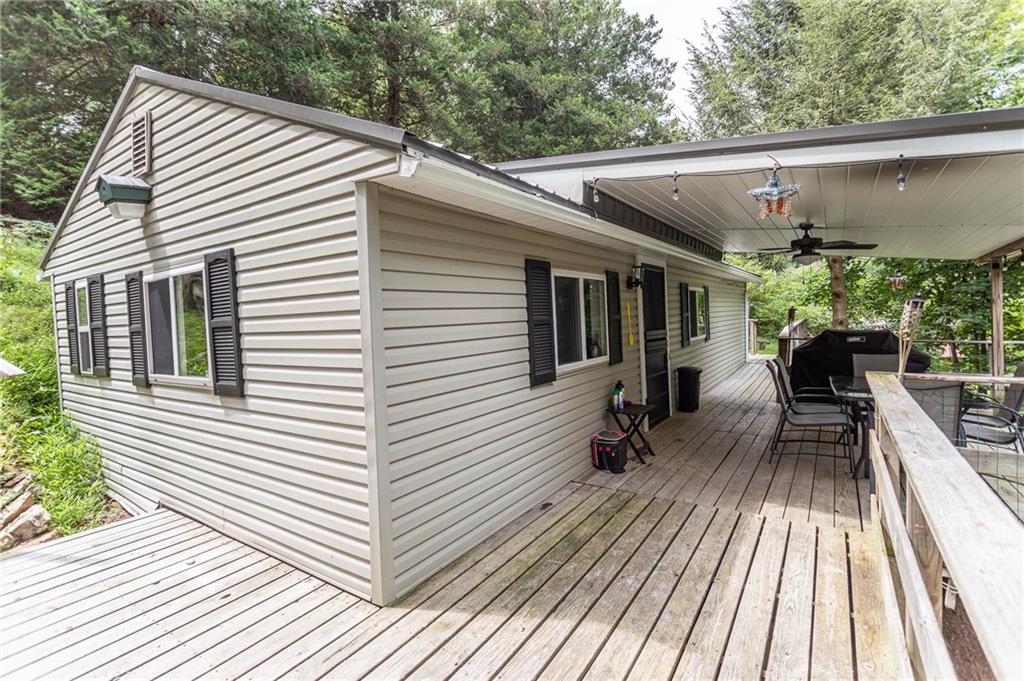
pixel 948 518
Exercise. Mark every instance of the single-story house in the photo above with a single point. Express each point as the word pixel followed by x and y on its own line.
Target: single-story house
pixel 347 346
pixel 362 353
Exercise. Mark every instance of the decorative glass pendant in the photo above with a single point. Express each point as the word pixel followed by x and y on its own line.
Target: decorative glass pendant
pixel 775 196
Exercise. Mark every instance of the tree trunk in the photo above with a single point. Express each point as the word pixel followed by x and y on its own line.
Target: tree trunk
pixel 391 59
pixel 840 303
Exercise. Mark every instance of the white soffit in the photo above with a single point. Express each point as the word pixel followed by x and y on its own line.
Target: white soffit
pixel 964 194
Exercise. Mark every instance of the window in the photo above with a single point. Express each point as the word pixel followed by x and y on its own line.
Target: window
pixel 176 312
pixel 581 324
pixel 698 313
pixel 84 328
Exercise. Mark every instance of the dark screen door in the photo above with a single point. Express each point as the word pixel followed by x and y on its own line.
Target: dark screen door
pixel 656 342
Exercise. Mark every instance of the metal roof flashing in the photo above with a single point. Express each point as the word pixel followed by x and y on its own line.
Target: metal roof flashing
pixel 928 126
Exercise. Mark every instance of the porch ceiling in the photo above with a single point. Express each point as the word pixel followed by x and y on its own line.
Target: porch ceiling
pixel 951 207
pixel 964 194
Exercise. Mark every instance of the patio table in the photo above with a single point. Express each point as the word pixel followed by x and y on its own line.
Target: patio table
pixel 635 414
pixel 855 391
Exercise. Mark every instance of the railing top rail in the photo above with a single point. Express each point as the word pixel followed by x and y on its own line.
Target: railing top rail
pixel 981 543
pixel 970 378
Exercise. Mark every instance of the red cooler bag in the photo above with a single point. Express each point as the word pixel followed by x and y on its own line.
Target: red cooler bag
pixel 608 451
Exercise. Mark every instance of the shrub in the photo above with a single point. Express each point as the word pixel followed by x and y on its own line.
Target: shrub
pixel 33 432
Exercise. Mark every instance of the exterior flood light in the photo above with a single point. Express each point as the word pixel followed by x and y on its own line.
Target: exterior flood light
pixel 124 197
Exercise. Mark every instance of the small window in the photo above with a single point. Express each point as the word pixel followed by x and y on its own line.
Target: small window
pixel 698 314
pixel 84 330
pixel 176 308
pixel 581 324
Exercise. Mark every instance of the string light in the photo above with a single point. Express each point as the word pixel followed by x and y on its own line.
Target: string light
pixel 596 196
pixel 901 179
pixel 675 186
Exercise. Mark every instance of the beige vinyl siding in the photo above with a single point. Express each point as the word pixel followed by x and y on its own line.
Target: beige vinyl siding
pixel 284 468
pixel 471 444
pixel 721 355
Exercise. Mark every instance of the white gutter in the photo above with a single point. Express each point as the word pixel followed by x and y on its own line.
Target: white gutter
pixel 435 171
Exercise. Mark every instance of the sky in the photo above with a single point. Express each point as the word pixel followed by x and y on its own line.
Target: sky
pixel 680 20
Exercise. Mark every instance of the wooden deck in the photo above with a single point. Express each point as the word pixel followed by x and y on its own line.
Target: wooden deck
pixel 716 457
pixel 665 576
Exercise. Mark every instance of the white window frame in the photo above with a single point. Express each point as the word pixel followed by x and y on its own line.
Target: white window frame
pixel 583 363
pixel 83 285
pixel 174 379
pixel 697 309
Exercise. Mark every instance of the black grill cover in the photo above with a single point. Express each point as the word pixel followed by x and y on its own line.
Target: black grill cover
pixel 831 354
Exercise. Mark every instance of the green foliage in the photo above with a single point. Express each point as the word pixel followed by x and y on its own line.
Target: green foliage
pixel 784 64
pixel 958 299
pixel 68 469
pixel 497 79
pixel 33 432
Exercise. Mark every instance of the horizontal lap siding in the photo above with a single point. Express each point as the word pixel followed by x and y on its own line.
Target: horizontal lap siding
pixel 471 445
pixel 284 468
pixel 720 356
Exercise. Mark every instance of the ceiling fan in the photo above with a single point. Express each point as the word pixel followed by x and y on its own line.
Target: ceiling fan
pixel 805 249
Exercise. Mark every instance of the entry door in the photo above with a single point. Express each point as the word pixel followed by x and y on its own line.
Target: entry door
pixel 656 342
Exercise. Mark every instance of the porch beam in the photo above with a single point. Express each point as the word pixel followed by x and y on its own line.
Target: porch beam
pixel 1008 249
pixel 998 352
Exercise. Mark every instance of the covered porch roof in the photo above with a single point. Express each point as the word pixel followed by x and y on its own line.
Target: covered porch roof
pixel 964 196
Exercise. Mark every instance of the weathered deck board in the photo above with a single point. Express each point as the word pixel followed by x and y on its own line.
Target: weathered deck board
pixel 716 457
pixel 709 563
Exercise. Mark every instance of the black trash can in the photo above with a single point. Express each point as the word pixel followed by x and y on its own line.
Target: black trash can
pixel 688 385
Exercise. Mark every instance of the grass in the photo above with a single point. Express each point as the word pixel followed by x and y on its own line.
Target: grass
pixel 34 434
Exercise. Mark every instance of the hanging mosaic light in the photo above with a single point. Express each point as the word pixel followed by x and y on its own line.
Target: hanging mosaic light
pixel 775 197
pixel 897 281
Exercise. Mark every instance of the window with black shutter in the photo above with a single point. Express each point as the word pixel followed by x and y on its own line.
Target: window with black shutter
pixel 614 317
pixel 97 327
pixel 71 315
pixel 136 329
pixel 540 322
pixel 695 309
pixel 222 317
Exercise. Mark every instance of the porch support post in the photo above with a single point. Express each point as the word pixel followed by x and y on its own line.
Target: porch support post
pixel 998 353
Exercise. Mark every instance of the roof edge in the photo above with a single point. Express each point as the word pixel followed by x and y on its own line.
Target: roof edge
pixel 356 128
pixel 926 126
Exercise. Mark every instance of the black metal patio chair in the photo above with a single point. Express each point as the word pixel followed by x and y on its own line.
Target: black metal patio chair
pixel 991 422
pixel 837 416
pixel 942 401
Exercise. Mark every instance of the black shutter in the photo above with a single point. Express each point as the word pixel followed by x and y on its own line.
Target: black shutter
pixel 222 315
pixel 540 322
pixel 136 329
pixel 707 315
pixel 614 317
pixel 684 306
pixel 98 326
pixel 71 312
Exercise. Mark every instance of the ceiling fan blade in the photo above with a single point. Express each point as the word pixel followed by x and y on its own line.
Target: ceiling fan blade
pixel 847 245
pixel 776 250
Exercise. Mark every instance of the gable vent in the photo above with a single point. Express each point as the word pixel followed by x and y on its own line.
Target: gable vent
pixel 141 143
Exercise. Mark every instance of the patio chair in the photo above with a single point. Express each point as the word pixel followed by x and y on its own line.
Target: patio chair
pixel 838 418
pixel 988 421
pixel 864 363
pixel 787 386
pixel 943 402
pixel 809 402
